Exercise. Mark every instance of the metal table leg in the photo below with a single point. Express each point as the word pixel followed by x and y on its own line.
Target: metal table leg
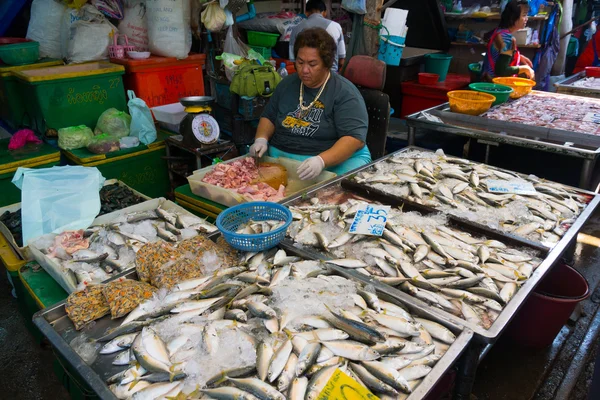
pixel 585 179
pixel 467 369
pixel 411 135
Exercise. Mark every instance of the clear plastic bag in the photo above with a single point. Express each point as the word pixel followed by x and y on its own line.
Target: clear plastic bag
pixel 142 123
pixel 57 199
pixel 233 45
pixel 102 144
pixel 74 137
pixel 114 122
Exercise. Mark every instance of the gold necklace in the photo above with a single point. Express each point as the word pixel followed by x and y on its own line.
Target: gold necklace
pixel 304 109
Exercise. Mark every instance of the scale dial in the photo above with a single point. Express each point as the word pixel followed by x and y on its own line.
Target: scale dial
pixel 205 128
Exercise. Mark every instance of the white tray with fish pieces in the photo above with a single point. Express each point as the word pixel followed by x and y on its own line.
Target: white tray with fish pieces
pixel 579 85
pixel 287 317
pixel 22 250
pixel 108 247
pixel 531 208
pixel 231 197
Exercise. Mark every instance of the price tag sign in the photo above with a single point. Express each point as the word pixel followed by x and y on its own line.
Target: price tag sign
pixel 341 387
pixel 592 117
pixel 370 220
pixel 516 187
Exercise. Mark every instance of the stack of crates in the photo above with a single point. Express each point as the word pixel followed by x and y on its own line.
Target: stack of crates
pixel 262 42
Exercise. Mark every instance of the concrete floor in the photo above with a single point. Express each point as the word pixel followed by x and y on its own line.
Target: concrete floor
pixel 508 372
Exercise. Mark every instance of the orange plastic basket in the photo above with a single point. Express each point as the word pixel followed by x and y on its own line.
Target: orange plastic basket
pixel 470 102
pixel 521 86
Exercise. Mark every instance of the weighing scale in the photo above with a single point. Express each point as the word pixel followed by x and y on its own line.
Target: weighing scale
pixel 199 128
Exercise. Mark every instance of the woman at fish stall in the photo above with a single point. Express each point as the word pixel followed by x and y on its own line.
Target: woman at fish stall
pixel 315 116
pixel 503 57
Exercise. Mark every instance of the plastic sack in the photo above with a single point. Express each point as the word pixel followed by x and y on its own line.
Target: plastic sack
pixel 169 32
pixel 75 3
pixel 233 45
pixel 89 35
pixel 111 8
pixel 129 142
pixel 57 199
pixel 102 144
pixel 134 24
pixel 74 137
pixel 355 6
pixel 21 138
pixel 213 17
pixel 44 26
pixel 114 122
pixel 142 123
pixel 534 6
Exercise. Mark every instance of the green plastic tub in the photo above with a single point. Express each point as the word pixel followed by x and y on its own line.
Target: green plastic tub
pixel 71 95
pixel 12 104
pixel 501 92
pixel 262 39
pixel 20 53
pixel 142 168
pixel 436 63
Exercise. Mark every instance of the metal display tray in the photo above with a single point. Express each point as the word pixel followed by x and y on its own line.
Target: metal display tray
pixel 566 87
pixel 390 199
pixel 54 323
pixel 549 139
pixel 549 256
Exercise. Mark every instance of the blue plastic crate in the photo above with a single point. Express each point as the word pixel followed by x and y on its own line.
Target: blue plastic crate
pixel 252 107
pixel 390 49
pixel 223 95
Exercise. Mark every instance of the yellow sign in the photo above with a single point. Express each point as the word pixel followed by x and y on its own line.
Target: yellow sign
pixel 341 387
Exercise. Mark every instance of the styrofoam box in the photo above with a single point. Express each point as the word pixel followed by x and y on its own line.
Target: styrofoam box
pixel 171 114
pixel 229 197
pixel 57 272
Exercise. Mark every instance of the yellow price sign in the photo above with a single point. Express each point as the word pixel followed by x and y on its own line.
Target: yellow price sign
pixel 341 387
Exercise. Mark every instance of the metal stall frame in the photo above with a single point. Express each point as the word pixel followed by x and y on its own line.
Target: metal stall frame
pixel 572 144
pixel 565 86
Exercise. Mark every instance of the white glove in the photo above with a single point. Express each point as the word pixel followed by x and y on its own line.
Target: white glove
pixel 259 148
pixel 311 168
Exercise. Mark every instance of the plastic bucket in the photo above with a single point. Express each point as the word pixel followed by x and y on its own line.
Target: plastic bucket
pixel 548 308
pixel 438 64
pixel 390 49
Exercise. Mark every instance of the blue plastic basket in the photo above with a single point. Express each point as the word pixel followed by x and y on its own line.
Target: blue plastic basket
pixel 390 49
pixel 230 220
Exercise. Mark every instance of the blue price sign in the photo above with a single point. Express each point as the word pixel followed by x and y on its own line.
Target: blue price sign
pixel 370 220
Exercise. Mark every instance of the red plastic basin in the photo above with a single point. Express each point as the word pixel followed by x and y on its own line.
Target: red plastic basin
pixel 548 308
pixel 12 40
pixel 593 72
pixel 426 78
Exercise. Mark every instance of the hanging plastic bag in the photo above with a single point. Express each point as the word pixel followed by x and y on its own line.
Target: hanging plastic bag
pixel 233 45
pixel 229 18
pixel 169 31
pixel 58 198
pixel 113 122
pixel 74 137
pixel 142 123
pixel 213 17
pixel 355 6
pixel 44 26
pixel 134 24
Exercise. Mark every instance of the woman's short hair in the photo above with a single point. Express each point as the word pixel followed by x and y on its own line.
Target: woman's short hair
pixel 512 13
pixel 317 38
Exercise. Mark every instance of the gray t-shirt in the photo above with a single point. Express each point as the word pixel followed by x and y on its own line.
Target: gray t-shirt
pixel 340 111
pixel 333 28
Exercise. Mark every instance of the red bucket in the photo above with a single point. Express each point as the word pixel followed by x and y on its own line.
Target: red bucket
pixel 548 308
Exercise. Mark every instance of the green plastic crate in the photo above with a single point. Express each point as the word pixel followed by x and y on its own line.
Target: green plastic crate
pixel 263 39
pixel 263 51
pixel 142 168
pixel 59 97
pixel 12 107
pixel 31 156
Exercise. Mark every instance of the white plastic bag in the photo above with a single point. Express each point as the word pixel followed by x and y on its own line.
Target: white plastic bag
pixel 44 26
pixel 142 123
pixel 87 35
pixel 58 198
pixel 134 24
pixel 169 32
pixel 355 6
pixel 233 45
pixel 214 17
